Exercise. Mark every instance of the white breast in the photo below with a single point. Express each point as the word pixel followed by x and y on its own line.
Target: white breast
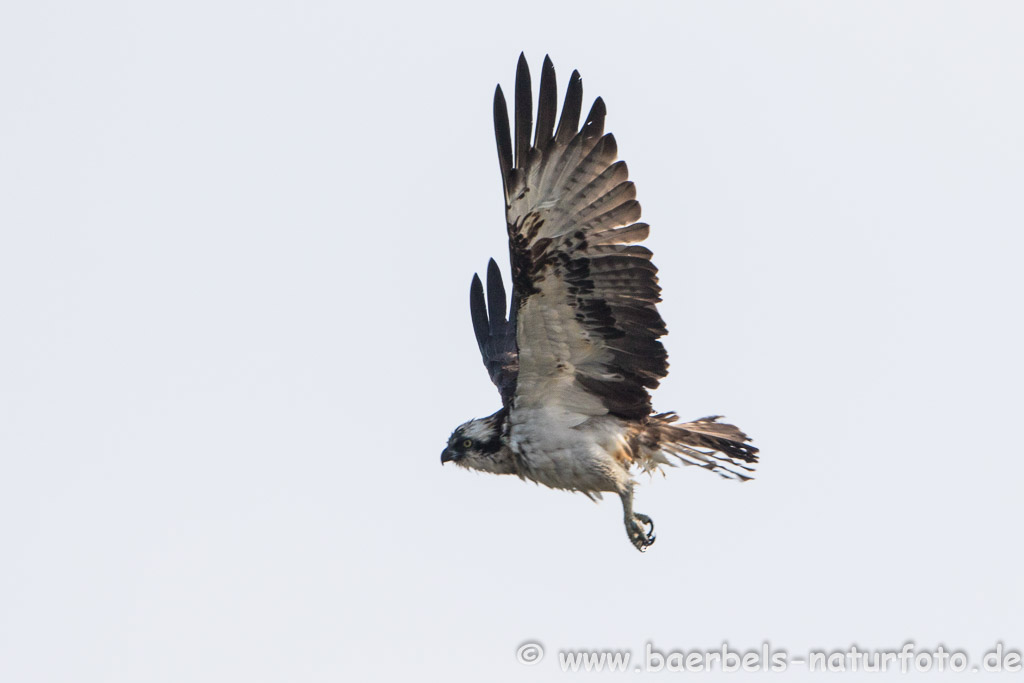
pixel 554 449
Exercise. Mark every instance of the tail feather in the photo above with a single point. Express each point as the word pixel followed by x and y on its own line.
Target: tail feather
pixel 716 446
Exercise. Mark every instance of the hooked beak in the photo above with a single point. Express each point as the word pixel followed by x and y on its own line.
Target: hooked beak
pixel 448 455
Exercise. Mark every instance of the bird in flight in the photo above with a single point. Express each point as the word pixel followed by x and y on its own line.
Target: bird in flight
pixel 577 353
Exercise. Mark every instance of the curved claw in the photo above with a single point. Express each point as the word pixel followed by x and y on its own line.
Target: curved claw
pixel 640 537
pixel 647 520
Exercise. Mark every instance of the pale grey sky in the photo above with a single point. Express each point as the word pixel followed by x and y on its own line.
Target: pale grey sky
pixel 236 241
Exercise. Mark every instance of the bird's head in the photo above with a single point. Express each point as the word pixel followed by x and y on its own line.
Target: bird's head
pixel 478 445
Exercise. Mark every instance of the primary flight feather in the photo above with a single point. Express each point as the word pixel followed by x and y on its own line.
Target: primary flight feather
pixel 576 355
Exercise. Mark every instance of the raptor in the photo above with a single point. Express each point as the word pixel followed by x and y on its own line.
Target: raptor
pixel 577 353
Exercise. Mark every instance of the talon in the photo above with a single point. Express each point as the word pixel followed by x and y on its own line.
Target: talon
pixel 641 531
pixel 649 533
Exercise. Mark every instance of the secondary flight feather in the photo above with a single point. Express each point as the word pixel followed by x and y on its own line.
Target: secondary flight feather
pixel 575 356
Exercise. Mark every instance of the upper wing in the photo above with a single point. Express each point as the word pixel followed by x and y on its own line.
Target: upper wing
pixel 495 335
pixel 585 295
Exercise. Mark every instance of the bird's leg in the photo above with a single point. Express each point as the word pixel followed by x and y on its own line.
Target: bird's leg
pixel 639 536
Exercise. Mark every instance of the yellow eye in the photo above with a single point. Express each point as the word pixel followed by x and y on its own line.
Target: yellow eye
pixel 467 443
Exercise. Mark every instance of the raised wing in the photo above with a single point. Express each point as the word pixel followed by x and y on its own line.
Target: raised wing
pixel 585 294
pixel 495 335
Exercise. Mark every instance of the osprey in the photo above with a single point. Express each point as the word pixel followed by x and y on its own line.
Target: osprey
pixel 575 356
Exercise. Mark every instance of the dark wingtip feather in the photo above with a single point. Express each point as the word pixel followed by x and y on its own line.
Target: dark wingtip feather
pixel 478 311
pixel 611 148
pixel 571 108
pixel 523 111
pixel 547 106
pixel 497 304
pixel 594 125
pixel 503 136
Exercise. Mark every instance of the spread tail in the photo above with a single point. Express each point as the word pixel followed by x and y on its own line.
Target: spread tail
pixel 719 447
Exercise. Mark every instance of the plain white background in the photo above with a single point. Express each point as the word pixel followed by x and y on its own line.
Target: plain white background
pixel 236 240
